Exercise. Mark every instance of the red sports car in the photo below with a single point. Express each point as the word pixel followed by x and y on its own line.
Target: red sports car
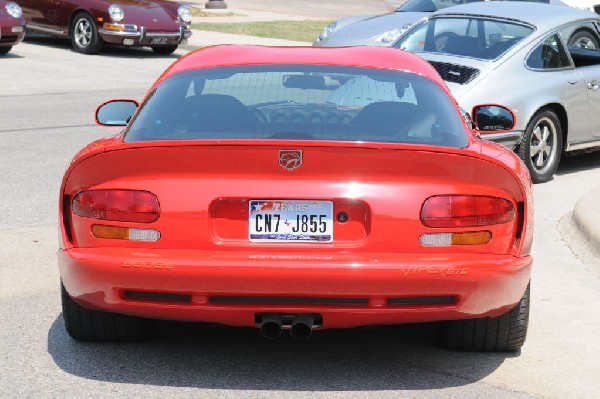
pixel 298 189
pixel 12 25
pixel 159 24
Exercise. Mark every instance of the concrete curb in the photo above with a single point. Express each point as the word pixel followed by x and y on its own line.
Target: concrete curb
pixel 586 216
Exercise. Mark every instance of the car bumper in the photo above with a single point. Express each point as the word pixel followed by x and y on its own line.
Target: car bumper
pixel 142 37
pixel 346 290
pixel 507 139
pixel 11 35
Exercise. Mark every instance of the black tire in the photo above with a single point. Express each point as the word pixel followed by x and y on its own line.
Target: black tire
pixel 165 50
pixel 98 326
pixel 505 333
pixel 84 34
pixel 4 49
pixel 541 146
pixel 584 38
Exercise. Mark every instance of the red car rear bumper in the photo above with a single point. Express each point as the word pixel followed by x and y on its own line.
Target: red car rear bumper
pixel 347 290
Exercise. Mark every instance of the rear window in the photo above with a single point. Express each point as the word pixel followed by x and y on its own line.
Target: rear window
pixel 304 102
pixel 480 38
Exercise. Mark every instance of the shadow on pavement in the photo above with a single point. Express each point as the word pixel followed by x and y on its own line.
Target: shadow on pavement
pixel 576 163
pixel 107 50
pixel 10 55
pixel 196 355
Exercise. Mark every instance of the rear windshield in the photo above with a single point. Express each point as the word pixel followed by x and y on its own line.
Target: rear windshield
pixel 304 102
pixel 474 37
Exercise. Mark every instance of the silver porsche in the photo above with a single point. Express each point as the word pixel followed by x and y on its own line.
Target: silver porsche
pixel 383 30
pixel 540 60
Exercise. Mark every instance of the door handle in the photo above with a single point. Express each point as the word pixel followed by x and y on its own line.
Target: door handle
pixel 593 85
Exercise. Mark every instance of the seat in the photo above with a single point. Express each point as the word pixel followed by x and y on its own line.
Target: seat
pixel 218 109
pixel 387 118
pixel 463 45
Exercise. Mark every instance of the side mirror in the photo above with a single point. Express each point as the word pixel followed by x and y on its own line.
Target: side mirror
pixel 491 118
pixel 116 112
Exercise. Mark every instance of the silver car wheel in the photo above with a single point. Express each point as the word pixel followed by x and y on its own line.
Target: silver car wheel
pixel 585 42
pixel 541 145
pixel 83 32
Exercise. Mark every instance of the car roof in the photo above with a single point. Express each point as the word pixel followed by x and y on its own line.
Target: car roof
pixel 537 14
pixel 359 56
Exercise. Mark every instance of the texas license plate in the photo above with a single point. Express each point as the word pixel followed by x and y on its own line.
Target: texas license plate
pixel 290 221
pixel 158 40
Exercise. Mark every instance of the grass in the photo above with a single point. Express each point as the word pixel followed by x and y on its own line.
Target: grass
pixel 302 31
pixel 196 12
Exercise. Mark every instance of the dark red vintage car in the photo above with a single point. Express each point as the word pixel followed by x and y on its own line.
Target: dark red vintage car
pixel 12 25
pixel 159 24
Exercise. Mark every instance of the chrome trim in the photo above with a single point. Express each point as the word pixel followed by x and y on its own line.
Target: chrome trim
pixel 120 33
pixel 44 29
pixel 581 145
pixel 142 32
pixel 507 139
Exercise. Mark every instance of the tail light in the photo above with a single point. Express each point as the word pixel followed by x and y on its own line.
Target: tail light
pixel 450 211
pixel 117 205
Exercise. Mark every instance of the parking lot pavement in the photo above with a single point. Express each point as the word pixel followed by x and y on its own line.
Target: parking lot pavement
pixel 586 217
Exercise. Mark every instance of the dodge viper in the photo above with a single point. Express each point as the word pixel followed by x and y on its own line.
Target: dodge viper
pixel 298 189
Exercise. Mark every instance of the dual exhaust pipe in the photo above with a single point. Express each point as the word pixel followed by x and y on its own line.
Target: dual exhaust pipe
pixel 301 325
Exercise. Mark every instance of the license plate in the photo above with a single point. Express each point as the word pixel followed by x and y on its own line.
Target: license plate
pixel 158 40
pixel 290 221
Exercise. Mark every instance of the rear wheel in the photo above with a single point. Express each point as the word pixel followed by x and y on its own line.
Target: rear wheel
pixel 98 326
pixel 585 39
pixel 165 50
pixel 4 49
pixel 84 34
pixel 542 145
pixel 505 333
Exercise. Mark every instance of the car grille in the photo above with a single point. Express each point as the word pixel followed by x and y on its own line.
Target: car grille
pixel 455 73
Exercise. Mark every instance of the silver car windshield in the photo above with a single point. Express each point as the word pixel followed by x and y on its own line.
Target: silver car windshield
pixel 299 102
pixel 480 38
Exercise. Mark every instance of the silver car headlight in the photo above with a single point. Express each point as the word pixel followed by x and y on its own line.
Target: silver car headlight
pixel 327 30
pixel 116 12
pixel 14 10
pixel 185 14
pixel 391 36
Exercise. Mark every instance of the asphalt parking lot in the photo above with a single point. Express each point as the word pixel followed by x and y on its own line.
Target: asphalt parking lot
pixel 47 98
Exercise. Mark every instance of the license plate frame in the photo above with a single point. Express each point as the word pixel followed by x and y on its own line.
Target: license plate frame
pixel 301 221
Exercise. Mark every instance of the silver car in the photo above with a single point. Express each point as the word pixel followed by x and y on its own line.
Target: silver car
pixel 519 55
pixel 383 30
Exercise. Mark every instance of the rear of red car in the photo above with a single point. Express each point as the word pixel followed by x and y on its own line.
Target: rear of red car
pixel 292 229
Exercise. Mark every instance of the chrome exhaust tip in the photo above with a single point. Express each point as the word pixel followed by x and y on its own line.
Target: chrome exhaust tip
pixel 271 326
pixel 302 326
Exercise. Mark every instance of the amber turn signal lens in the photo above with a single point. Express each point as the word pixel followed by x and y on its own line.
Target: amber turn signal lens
pixel 124 233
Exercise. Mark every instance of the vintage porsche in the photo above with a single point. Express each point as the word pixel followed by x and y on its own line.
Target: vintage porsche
pixel 540 60
pixel 298 189
pixel 159 24
pixel 12 25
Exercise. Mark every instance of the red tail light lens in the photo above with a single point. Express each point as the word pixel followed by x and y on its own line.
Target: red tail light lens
pixel 466 211
pixel 117 205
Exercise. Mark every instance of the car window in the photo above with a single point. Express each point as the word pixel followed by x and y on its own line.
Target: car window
pixel 299 102
pixel 478 38
pixel 550 54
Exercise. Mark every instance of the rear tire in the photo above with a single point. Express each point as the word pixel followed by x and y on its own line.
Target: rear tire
pixel 4 49
pixel 165 50
pixel 584 38
pixel 504 333
pixel 98 326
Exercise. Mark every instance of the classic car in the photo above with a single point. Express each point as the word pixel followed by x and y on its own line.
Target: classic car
pixel 250 189
pixel 159 24
pixel 12 25
pixel 383 30
pixel 520 55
